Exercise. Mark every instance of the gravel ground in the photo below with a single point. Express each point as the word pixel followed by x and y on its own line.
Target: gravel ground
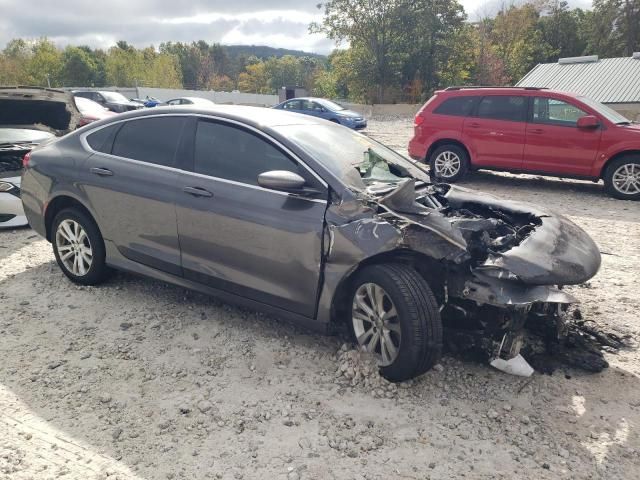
pixel 138 379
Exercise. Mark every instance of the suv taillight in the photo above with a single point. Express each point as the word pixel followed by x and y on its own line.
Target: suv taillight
pixel 25 160
pixel 418 120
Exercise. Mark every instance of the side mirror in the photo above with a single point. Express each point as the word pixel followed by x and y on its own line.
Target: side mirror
pixel 588 121
pixel 285 181
pixel 281 180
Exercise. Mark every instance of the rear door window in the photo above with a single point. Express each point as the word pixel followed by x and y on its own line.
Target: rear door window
pixel 503 107
pixel 102 140
pixel 457 106
pixel 232 153
pixel 556 112
pixel 152 140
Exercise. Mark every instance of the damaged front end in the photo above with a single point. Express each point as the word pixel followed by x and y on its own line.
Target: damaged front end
pixel 493 265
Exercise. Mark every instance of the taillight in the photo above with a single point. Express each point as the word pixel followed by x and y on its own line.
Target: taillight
pixel 25 160
pixel 418 120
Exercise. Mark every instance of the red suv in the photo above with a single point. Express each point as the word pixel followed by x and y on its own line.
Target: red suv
pixel 527 130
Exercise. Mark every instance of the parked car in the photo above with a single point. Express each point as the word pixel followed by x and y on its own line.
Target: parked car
pixel 528 130
pixel 190 101
pixel 319 107
pixel 114 101
pixel 29 116
pixel 304 219
pixel 91 111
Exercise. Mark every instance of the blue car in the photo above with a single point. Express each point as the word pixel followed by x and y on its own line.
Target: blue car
pixel 319 107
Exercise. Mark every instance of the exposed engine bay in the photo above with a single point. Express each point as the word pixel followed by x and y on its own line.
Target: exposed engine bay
pixel 494 266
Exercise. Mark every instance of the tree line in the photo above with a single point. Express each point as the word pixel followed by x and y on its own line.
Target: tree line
pixel 389 51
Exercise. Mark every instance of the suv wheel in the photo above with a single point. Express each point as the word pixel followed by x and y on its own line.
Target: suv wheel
pixel 395 317
pixel 449 163
pixel 622 178
pixel 79 248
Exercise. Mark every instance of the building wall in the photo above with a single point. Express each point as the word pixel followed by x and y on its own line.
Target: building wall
pixel 629 110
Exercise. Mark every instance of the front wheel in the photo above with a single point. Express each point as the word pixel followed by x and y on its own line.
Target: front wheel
pixel 449 163
pixel 78 247
pixel 395 317
pixel 622 178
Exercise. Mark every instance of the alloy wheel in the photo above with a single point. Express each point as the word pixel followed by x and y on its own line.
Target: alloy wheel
pixel 447 164
pixel 626 179
pixel 74 247
pixel 376 323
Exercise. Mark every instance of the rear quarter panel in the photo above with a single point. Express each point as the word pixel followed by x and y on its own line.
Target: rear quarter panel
pixel 435 127
pixel 52 172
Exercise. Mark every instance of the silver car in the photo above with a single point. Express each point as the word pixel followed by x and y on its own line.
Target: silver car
pixel 305 219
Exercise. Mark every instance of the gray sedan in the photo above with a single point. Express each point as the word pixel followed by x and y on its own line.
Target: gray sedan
pixel 304 219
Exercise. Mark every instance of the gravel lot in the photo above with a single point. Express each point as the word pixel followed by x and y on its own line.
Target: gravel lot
pixel 139 379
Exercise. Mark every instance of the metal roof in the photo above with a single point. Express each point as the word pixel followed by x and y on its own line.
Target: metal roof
pixel 609 80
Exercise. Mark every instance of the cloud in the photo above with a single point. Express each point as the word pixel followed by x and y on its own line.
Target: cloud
pixel 279 23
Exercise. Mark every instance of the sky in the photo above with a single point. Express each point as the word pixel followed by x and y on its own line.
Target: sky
pixel 100 23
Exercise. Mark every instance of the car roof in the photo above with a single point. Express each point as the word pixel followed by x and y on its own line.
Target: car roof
pixel 258 117
pixel 455 91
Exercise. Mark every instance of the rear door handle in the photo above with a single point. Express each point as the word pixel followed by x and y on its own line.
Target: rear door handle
pixel 537 130
pixel 103 172
pixel 197 192
pixel 474 125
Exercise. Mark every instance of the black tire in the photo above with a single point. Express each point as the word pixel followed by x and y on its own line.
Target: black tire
pixel 98 271
pixel 633 161
pixel 419 318
pixel 453 149
pixel 335 120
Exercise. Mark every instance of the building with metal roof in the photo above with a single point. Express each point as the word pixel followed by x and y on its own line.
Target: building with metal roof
pixel 613 81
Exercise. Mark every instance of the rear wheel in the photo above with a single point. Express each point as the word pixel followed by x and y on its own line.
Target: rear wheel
pixel 449 163
pixel 78 247
pixel 395 317
pixel 622 178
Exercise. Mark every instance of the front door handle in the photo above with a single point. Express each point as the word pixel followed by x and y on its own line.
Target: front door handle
pixel 103 172
pixel 197 192
pixel 474 125
pixel 537 131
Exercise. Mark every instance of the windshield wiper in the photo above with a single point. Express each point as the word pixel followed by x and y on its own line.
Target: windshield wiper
pixel 626 122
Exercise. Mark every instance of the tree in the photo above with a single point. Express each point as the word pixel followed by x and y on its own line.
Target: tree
pixel 255 79
pixel 516 40
pixel 560 29
pixel 374 28
pixel 44 66
pixel 79 69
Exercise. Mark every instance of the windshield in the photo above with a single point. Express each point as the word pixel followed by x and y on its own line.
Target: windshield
pixel 609 113
pixel 356 159
pixel 328 104
pixel 114 97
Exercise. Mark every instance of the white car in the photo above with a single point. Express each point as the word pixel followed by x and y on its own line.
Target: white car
pixel 30 116
pixel 190 101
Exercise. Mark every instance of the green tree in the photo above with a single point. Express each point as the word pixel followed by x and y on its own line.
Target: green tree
pixel 78 67
pixel 45 64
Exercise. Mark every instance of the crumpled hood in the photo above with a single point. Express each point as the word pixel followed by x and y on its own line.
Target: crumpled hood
pixel 44 109
pixel 556 252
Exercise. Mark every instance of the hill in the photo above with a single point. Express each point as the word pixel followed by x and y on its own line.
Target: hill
pixel 262 51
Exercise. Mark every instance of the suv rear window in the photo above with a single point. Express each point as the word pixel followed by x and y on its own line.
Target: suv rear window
pixel 152 140
pixel 503 107
pixel 458 106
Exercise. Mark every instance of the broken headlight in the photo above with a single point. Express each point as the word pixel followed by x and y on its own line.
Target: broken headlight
pixel 6 187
